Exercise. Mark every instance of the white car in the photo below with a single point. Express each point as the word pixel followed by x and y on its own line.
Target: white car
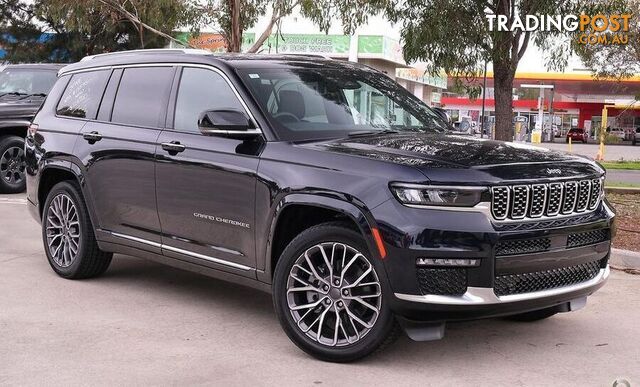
pixel 618 132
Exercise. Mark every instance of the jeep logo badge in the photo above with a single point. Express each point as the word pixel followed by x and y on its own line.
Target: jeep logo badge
pixel 554 171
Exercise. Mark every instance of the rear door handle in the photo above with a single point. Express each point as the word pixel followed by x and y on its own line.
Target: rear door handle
pixel 173 147
pixel 92 137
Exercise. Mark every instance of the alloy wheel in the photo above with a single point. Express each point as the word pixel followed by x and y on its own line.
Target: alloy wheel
pixel 334 294
pixel 63 230
pixel 12 167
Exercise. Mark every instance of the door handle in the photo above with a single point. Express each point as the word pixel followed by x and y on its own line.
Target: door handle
pixel 92 137
pixel 173 147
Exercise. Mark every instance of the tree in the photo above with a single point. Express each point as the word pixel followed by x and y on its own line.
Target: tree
pixel 617 61
pixel 20 37
pixel 86 27
pixel 234 17
pixel 454 36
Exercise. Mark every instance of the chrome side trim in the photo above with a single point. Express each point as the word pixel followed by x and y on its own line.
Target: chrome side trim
pixel 181 251
pixel 136 239
pixel 206 257
pixel 486 296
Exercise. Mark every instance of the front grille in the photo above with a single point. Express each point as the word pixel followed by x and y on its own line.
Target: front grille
pixel 587 238
pixel 522 246
pixel 537 200
pixel 442 281
pixel 543 280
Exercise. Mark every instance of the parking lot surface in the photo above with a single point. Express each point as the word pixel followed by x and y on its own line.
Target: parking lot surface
pixel 143 323
pixel 611 152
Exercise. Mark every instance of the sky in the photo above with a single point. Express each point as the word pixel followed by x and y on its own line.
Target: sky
pixel 533 60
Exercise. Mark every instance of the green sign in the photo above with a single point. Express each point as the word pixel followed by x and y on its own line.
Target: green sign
pixel 305 43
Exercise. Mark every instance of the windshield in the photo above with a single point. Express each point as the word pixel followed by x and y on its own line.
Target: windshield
pixel 303 103
pixel 26 81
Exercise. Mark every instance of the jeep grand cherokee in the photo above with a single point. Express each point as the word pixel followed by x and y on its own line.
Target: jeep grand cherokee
pixel 321 181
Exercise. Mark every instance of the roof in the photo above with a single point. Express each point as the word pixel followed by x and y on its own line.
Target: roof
pixel 37 66
pixel 234 60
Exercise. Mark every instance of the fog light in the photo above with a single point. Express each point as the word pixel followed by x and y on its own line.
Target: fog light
pixel 460 262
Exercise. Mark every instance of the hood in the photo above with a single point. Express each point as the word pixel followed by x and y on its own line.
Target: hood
pixel 19 108
pixel 457 158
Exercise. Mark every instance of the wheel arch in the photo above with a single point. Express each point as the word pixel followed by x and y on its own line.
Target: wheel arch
pixel 314 209
pixel 14 128
pixel 55 171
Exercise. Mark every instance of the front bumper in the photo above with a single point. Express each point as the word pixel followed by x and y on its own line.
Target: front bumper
pixel 429 233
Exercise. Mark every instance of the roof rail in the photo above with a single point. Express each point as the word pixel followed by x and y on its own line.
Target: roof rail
pixel 150 51
pixel 306 55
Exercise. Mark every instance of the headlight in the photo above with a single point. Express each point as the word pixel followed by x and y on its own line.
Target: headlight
pixel 433 195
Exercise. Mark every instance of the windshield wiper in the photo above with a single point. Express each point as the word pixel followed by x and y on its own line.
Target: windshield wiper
pixel 34 95
pixel 12 93
pixel 372 132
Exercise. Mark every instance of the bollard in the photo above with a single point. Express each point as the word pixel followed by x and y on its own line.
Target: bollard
pixel 570 150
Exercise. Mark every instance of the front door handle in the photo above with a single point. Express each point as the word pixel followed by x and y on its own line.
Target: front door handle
pixel 92 137
pixel 173 147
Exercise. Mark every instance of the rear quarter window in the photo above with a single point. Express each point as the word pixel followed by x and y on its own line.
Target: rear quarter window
pixel 82 96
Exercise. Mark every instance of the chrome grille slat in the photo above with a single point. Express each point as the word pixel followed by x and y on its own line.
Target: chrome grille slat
pixel 596 193
pixel 519 201
pixel 538 200
pixel 570 196
pixel 555 199
pixel 584 191
pixel 524 201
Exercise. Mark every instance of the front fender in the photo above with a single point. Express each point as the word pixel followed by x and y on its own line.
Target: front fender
pixel 344 204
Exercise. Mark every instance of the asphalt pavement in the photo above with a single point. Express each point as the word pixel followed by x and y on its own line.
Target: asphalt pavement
pixel 147 324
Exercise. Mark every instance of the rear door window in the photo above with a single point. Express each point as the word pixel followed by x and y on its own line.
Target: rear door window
pixel 82 96
pixel 141 99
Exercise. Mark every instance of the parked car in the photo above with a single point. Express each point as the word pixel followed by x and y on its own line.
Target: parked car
pixel 636 136
pixel 618 132
pixel 321 181
pixel 577 134
pixel 22 90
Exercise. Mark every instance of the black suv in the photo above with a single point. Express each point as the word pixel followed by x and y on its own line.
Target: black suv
pixel 22 90
pixel 321 181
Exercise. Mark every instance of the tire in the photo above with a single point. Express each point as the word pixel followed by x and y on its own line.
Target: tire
pixel 12 165
pixel 348 345
pixel 74 253
pixel 535 315
pixel 567 140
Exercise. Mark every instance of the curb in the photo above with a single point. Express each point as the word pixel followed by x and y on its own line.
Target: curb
pixel 622 190
pixel 625 259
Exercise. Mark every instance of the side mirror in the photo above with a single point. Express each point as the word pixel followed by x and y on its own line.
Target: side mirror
pixel 443 114
pixel 226 123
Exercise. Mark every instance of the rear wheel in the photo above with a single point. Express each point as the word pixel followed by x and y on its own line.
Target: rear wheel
pixel 12 165
pixel 328 295
pixel 68 236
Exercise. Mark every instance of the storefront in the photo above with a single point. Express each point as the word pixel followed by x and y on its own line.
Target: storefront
pixel 575 100
pixel 377 51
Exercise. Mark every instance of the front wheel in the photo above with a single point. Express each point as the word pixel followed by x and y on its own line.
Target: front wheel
pixel 328 295
pixel 67 232
pixel 12 165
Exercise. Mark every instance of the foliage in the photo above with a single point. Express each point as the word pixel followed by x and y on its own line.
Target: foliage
pixel 453 36
pixel 351 14
pixel 86 27
pixel 628 165
pixel 613 61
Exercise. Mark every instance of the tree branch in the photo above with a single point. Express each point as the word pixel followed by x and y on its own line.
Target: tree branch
pixel 135 20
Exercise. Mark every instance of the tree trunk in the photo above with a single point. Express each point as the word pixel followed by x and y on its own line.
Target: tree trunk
pixel 235 41
pixel 503 86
